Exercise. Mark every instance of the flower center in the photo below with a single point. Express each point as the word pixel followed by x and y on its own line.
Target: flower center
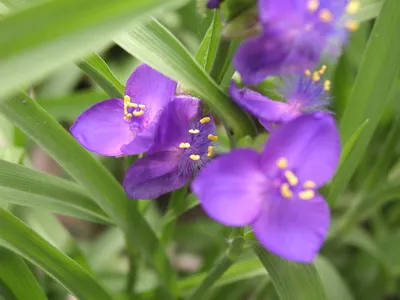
pixel 291 185
pixel 198 140
pixel 132 109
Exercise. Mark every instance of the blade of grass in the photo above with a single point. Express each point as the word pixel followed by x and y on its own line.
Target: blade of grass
pixel 31 246
pixel 43 37
pixel 153 44
pixel 372 91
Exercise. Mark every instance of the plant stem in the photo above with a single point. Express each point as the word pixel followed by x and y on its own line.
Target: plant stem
pixel 222 264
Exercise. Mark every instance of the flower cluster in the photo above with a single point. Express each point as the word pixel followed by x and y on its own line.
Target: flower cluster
pixel 275 191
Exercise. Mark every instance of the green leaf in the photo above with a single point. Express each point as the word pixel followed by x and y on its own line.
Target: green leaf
pixel 94 178
pixel 292 281
pixel 372 91
pixel 30 188
pixel 25 242
pixel 153 44
pixel 70 107
pixel 180 208
pixel 241 270
pixel 348 147
pixel 95 67
pixel 368 11
pixel 335 286
pixel 15 274
pixel 208 48
pixel 43 37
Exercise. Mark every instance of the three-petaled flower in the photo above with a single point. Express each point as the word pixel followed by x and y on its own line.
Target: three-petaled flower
pixel 303 93
pixel 183 144
pixel 275 192
pixel 126 126
pixel 294 34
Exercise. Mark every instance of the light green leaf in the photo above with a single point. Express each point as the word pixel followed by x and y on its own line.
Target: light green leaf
pixel 30 188
pixel 348 147
pixel 292 281
pixel 15 274
pixel 37 40
pixel 95 67
pixel 70 107
pixel 208 48
pixel 180 208
pixel 16 236
pixel 373 89
pixel 368 11
pixel 335 286
pixel 94 178
pixel 153 44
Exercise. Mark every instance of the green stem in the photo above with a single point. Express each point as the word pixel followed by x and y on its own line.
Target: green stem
pixel 222 265
pixel 132 275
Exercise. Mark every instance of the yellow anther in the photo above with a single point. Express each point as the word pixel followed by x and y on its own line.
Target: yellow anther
pixel 138 113
pixel 316 77
pixel 285 191
pixel 307 72
pixel 327 85
pixel 282 163
pixel 194 131
pixel 194 157
pixel 213 138
pixel 309 184
pixel 184 145
pixel 353 7
pixel 128 116
pixel 306 195
pixel 128 104
pixel 127 98
pixel 205 120
pixel 351 25
pixel 210 151
pixel 325 15
pixel 142 106
pixel 312 5
pixel 322 70
pixel 291 178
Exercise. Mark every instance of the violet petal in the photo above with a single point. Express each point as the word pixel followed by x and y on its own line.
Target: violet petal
pixel 231 187
pixel 293 229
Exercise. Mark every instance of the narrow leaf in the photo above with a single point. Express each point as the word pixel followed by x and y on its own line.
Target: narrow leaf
pixel 96 68
pixel 292 281
pixel 25 242
pixel 43 37
pixel 372 91
pixel 15 274
pixel 30 188
pixel 153 44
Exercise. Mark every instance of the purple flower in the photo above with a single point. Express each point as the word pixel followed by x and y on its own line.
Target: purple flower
pixel 211 4
pixel 303 93
pixel 294 34
pixel 125 127
pixel 275 192
pixel 183 144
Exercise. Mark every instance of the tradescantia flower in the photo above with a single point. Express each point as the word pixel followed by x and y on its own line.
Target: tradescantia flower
pixel 303 93
pixel 126 126
pixel 294 34
pixel 183 144
pixel 275 192
pixel 211 4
